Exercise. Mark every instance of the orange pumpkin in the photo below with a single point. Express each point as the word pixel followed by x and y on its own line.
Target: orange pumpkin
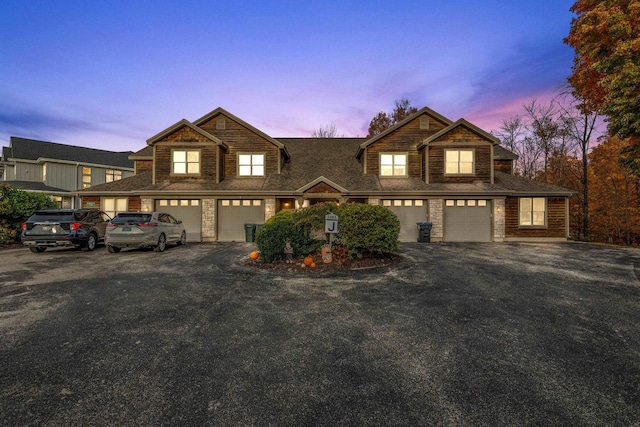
pixel 255 255
pixel 308 261
pixel 313 265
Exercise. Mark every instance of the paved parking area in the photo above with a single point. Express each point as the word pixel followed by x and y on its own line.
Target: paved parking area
pixel 457 334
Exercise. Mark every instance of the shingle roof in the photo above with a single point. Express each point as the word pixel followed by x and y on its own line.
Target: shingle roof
pixel 31 149
pixel 501 153
pixel 522 185
pixel 132 183
pixel 34 186
pixel 145 152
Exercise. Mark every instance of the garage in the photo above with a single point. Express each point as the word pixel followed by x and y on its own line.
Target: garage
pixel 189 211
pixel 409 212
pixel 467 221
pixel 234 214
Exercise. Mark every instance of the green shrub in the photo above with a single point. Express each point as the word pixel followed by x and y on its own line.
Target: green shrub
pixel 16 206
pixel 367 229
pixel 277 230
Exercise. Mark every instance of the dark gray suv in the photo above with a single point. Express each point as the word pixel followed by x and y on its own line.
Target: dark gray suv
pixel 83 228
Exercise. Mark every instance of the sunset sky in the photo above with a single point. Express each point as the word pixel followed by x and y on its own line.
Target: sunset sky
pixel 112 74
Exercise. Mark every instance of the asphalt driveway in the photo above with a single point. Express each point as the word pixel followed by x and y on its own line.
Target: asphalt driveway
pixel 457 334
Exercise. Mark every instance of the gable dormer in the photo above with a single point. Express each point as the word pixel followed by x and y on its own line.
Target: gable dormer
pixel 251 153
pixel 395 153
pixel 184 153
pixel 459 153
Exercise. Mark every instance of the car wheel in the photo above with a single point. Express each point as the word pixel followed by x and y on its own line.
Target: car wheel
pixel 183 238
pixel 37 249
pixel 92 241
pixel 113 249
pixel 162 244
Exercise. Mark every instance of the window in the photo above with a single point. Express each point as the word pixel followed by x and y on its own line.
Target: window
pixel 44 174
pixel 186 162
pixel 111 206
pixel 113 175
pixel 458 162
pixel 532 211
pixel 393 164
pixel 251 164
pixel 86 177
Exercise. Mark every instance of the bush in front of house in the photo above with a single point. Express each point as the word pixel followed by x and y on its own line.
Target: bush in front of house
pixel 367 230
pixel 363 230
pixel 277 230
pixel 16 206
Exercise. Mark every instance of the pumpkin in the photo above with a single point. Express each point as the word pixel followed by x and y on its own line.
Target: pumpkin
pixel 308 261
pixel 255 255
pixel 313 265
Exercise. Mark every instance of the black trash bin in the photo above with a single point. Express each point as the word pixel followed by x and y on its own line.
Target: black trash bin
pixel 424 231
pixel 249 230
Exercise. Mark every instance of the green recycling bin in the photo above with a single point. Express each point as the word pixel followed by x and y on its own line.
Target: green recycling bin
pixel 249 230
pixel 258 227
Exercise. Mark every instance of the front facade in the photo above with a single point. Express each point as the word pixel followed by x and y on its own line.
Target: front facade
pixel 58 169
pixel 219 173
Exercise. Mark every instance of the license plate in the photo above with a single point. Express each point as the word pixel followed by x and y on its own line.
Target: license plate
pixel 45 228
pixel 126 228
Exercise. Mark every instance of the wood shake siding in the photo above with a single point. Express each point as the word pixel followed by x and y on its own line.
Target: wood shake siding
pixel 505 166
pixel 482 160
pixel 242 140
pixel 144 165
pixel 185 139
pixel 556 219
pixel 134 204
pixel 322 188
pixel 403 140
pixel 92 199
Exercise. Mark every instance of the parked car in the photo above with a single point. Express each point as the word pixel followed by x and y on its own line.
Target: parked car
pixel 83 228
pixel 144 230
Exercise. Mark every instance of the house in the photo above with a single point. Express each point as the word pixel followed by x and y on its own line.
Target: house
pixel 58 169
pixel 219 172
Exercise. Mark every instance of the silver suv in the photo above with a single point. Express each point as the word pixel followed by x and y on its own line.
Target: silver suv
pixel 144 230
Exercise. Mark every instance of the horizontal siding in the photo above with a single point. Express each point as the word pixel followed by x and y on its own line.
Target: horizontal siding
pixel 482 160
pixel 505 166
pixel 95 201
pixel 134 203
pixel 556 219
pixel 144 166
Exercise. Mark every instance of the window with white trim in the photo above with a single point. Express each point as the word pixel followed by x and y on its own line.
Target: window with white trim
pixel 533 211
pixel 251 164
pixel 458 162
pixel 185 162
pixel 86 177
pixel 392 164
pixel 112 175
pixel 113 205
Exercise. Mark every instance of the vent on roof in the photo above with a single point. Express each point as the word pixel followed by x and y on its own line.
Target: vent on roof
pixel 424 123
pixel 220 124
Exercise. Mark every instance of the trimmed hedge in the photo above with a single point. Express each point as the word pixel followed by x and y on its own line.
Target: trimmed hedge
pixel 364 229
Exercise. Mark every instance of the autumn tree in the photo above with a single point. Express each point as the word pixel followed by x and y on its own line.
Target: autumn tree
pixel 606 68
pixel 383 121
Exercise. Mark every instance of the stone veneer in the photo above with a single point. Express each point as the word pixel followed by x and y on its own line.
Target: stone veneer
pixel 209 220
pixel 436 217
pixel 498 220
pixel 269 208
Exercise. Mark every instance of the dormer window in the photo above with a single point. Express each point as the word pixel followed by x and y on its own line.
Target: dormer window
pixel 251 164
pixel 393 164
pixel 186 162
pixel 459 162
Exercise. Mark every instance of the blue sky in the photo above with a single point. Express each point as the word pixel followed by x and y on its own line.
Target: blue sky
pixel 112 74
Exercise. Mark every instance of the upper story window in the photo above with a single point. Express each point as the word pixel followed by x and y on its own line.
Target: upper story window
pixel 251 164
pixel 458 162
pixel 533 211
pixel 86 177
pixel 186 162
pixel 393 164
pixel 113 175
pixel 44 172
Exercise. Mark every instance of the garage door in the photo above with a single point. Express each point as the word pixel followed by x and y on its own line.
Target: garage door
pixel 409 212
pixel 467 221
pixel 234 214
pixel 189 211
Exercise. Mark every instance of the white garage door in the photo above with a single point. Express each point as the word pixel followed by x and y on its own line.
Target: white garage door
pixel 189 211
pixel 409 212
pixel 467 221
pixel 234 214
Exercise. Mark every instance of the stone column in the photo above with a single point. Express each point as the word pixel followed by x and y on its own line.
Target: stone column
pixel 498 220
pixel 209 220
pixel 146 205
pixel 269 208
pixel 436 217
pixel 374 202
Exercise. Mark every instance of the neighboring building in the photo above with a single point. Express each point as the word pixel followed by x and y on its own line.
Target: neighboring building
pixel 219 173
pixel 58 169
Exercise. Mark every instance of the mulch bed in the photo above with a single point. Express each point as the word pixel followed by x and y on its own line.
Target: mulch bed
pixel 10 246
pixel 339 263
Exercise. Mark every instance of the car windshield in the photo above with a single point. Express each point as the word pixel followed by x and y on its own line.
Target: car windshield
pixel 52 216
pixel 134 218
